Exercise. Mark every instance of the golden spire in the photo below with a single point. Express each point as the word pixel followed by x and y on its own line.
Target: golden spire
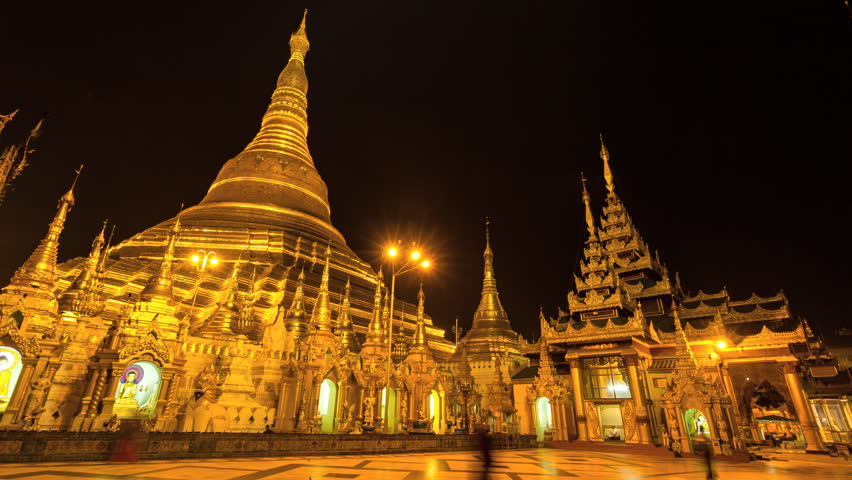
pixel 299 43
pixel 80 298
pixel 344 321
pixel 39 270
pixel 590 219
pixel 607 172
pixel 160 285
pixel 545 363
pixel 295 320
pixel 386 318
pixel 276 168
pixel 420 330
pixel 684 351
pixel 490 312
pixel 374 330
pixel 321 317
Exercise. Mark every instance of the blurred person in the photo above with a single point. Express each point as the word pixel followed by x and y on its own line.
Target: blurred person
pixel 485 451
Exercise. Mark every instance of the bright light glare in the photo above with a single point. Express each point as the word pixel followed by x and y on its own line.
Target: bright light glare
pixel 392 252
pixel 426 264
pixel 415 255
pixel 721 344
pixel 195 258
pixel 214 261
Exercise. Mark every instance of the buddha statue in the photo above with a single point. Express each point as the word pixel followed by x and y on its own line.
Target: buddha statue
pixel 125 403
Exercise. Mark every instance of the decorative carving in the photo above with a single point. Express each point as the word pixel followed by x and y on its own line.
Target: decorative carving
pixel 629 419
pixel 148 344
pixel 28 346
pixel 592 421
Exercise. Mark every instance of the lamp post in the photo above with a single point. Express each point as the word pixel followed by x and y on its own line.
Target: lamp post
pixel 412 260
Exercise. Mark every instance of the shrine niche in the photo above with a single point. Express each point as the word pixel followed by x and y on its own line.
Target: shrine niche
pixel 10 370
pixel 136 396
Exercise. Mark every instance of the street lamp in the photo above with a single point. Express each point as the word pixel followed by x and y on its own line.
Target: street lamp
pixel 411 259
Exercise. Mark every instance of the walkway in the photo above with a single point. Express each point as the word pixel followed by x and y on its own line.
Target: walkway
pixel 515 465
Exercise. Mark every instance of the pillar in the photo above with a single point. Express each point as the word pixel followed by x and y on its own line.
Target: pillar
pixel 77 424
pixel 638 401
pixel 577 382
pixel 803 409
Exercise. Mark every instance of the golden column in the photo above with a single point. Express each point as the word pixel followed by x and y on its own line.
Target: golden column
pixel 577 382
pixel 803 408
pixel 638 399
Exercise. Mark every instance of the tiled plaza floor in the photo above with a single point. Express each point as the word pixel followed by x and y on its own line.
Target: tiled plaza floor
pixel 514 464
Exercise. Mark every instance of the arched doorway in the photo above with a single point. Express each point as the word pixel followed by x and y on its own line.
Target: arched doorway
pixel 543 417
pixel 697 428
pixel 327 402
pixel 434 411
pixel 10 370
pixel 138 389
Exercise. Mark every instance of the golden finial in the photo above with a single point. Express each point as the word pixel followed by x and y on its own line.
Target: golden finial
pixel 299 43
pixel 421 298
pixel 590 219
pixel 4 119
pixel 607 171
pixel 420 330
pixel 374 330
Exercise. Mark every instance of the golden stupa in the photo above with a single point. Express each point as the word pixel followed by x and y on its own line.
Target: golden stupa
pixel 267 218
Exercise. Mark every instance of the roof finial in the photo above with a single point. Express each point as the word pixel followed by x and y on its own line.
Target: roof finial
pixel 590 219
pixel 487 234
pixel 607 172
pixel 420 330
pixel 299 43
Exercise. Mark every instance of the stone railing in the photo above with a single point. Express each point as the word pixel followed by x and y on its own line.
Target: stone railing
pixel 18 446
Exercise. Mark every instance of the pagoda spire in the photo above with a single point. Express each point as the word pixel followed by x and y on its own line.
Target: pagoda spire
pixel 344 321
pixel 39 270
pixel 74 299
pixel 321 317
pixel 160 285
pixel 545 363
pixel 374 330
pixel 420 330
pixel 590 219
pixel 684 351
pixel 295 320
pixel 490 311
pixel 610 185
pixel 491 333
pixel 276 169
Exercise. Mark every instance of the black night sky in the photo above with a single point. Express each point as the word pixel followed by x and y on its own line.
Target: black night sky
pixel 728 125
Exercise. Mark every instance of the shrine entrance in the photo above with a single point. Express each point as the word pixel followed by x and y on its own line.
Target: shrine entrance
pixel 10 370
pixel 697 429
pixel 543 417
pixel 612 425
pixel 327 402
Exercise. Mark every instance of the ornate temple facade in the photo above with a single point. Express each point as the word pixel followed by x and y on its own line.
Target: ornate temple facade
pixel 245 311
pixel 249 312
pixel 637 360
